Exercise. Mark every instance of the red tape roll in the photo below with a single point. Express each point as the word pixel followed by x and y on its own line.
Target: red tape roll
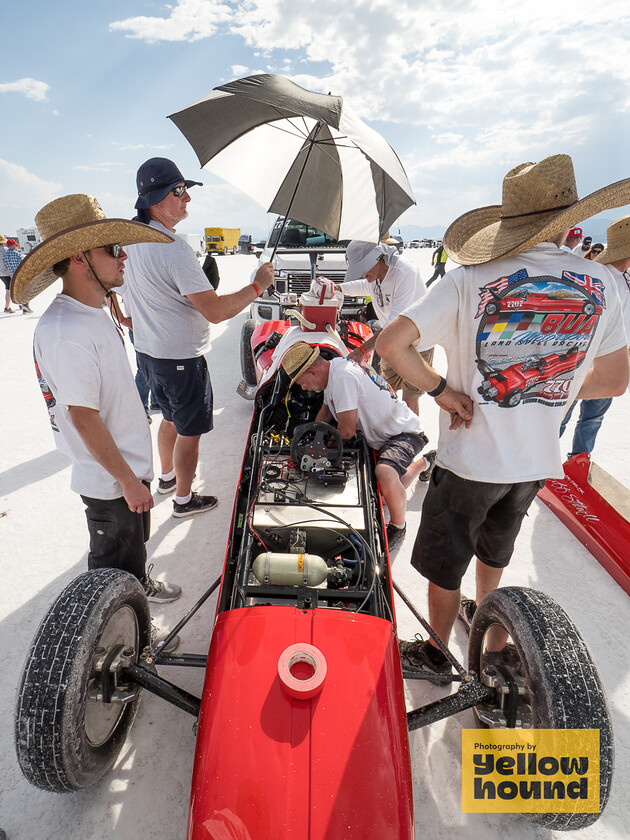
pixel 302 689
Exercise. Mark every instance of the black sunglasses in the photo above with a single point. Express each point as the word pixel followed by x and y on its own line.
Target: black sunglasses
pixel 113 250
pixel 178 192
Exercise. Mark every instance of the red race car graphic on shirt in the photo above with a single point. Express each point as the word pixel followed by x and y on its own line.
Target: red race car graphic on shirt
pixel 524 300
pixel 507 386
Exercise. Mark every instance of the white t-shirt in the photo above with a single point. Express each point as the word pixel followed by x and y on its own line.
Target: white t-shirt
pixel 158 277
pixel 402 286
pixel 520 335
pixel 623 287
pixel 380 415
pixel 81 360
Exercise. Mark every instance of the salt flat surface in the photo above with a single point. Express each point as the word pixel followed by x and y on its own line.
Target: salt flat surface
pixel 43 545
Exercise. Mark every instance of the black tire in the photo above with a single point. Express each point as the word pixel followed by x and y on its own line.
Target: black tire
pixel 588 308
pixel 248 366
pixel 492 308
pixel 513 398
pixel 563 686
pixel 64 739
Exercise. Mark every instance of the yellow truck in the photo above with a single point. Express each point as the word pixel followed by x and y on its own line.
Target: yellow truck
pixel 221 240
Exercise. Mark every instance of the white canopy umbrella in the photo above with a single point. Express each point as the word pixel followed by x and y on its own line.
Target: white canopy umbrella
pixel 300 153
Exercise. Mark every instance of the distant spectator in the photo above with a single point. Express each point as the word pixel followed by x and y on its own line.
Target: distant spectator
pixel 574 237
pixel 5 277
pixel 594 251
pixel 583 248
pixel 11 259
pixel 438 259
pixel 616 258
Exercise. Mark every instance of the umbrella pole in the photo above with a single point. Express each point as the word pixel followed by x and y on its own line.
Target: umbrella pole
pixel 314 134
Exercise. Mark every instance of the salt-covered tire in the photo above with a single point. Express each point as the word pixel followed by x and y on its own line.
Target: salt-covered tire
pixel 65 739
pixel 248 366
pixel 563 684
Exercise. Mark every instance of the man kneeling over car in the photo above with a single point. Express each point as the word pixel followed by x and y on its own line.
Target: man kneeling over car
pixel 358 398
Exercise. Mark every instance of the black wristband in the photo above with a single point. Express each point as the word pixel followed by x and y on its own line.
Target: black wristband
pixel 437 391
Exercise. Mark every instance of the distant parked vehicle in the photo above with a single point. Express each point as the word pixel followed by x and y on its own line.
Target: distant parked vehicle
pixel 245 245
pixel 222 240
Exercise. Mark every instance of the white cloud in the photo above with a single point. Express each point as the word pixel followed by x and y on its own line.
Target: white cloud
pixel 31 193
pixel 30 88
pixel 188 20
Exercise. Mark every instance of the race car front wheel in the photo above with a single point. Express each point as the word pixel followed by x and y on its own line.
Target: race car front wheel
pixel 67 733
pixel 556 683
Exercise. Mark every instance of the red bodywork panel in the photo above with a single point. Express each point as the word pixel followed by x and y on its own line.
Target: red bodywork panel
pixel 596 523
pixel 271 767
pixel 358 332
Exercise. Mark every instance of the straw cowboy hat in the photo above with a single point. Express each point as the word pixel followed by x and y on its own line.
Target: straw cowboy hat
pixel 540 201
pixel 298 359
pixel 68 226
pixel 617 242
pixel 3 240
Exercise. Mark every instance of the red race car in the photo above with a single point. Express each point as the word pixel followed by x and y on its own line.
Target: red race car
pixel 302 726
pixel 523 301
pixel 508 386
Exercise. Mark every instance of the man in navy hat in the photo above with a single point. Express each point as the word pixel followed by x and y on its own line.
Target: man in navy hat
pixel 172 307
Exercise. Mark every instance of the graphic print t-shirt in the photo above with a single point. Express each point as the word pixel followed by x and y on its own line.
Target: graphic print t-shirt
pixel 520 335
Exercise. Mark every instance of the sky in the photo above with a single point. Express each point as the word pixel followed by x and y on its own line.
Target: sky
pixel 463 91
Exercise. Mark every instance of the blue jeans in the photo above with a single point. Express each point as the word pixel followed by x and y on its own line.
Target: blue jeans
pixel 590 419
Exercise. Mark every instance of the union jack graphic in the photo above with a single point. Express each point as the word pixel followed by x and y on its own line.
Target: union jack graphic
pixel 591 285
pixel 493 289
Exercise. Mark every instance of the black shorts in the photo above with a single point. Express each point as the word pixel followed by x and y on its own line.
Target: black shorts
pixel 7 282
pixel 463 518
pixel 117 535
pixel 398 452
pixel 182 389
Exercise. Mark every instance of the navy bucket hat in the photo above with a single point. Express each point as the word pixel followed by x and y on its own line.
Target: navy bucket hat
pixel 155 179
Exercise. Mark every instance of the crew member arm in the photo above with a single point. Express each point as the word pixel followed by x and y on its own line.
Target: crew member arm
pixel 361 353
pixel 395 345
pixel 607 378
pixel 217 308
pixel 324 415
pixel 101 446
pixel 347 423
pixel 114 306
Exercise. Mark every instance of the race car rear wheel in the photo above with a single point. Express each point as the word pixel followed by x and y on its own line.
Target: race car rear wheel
pixel 559 686
pixel 66 736
pixel 248 366
pixel 513 398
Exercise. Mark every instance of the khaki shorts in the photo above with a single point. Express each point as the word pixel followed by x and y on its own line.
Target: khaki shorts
pixel 397 383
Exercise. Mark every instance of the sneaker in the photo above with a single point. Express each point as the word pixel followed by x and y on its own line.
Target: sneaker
pixel 197 504
pixel 466 612
pixel 168 486
pixel 505 659
pixel 395 535
pixel 160 592
pixel 429 457
pixel 8 310
pixel 414 657
pixel 156 637
pixel 25 308
pixel 149 418
pixel 155 407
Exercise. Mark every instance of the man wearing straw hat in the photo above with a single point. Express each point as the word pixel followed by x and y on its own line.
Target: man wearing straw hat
pixel 95 412
pixel 527 328
pixel 358 398
pixel 172 308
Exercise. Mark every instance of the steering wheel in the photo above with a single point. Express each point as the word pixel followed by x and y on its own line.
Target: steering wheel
pixel 316 446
